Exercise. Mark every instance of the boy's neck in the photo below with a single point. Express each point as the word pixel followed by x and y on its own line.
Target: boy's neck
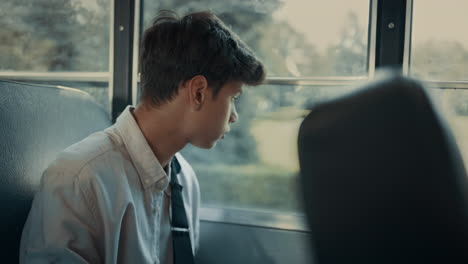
pixel 161 129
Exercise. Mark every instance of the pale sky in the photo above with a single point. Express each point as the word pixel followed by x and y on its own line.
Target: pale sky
pixel 322 20
pixel 440 19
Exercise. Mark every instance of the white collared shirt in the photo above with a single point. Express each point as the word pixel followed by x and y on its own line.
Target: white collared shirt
pixel 102 201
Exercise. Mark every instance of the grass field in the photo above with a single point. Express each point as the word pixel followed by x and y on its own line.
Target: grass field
pixel 269 184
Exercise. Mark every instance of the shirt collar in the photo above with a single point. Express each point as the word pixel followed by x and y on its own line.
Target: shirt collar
pixel 147 165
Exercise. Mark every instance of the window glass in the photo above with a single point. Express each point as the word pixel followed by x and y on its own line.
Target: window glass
pixel 256 164
pixel 54 35
pixel 57 36
pixel 453 104
pixel 294 38
pixel 439 49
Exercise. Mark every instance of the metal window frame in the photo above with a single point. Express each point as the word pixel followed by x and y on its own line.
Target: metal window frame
pixel 124 21
pixel 57 76
pixel 408 38
pixel 255 217
pixel 110 91
pixel 391 18
pixel 315 81
pixel 452 85
pixel 136 49
pixel 372 38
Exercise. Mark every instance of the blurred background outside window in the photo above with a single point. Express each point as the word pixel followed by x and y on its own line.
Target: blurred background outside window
pixel 255 166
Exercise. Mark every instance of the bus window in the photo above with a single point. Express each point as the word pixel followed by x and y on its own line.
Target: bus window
pixel 57 42
pixel 313 50
pixel 439 49
pixel 439 55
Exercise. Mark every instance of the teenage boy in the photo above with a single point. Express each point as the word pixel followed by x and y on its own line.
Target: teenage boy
pixel 125 194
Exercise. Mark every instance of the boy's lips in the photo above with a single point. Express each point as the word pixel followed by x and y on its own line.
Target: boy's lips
pixel 224 134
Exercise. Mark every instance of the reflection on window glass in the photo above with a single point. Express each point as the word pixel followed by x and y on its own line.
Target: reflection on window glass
pixel 294 38
pixel 439 41
pixel 54 35
pixel 256 165
pixel 98 90
pixel 454 108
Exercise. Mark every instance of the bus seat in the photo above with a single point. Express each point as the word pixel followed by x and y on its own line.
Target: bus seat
pixel 37 122
pixel 382 178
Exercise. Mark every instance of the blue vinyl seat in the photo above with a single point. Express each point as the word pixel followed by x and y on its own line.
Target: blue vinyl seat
pixel 36 122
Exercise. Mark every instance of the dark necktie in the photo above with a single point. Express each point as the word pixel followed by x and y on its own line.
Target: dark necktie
pixel 180 229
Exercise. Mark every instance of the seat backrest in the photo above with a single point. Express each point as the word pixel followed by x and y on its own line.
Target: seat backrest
pixel 36 122
pixel 382 179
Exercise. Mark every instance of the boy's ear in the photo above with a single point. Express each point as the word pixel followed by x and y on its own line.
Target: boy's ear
pixel 197 89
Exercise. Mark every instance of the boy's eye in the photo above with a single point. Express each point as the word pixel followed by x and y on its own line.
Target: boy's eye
pixel 235 97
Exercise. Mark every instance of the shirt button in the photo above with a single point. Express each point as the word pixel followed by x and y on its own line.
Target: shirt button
pixel 147 180
pixel 155 210
pixel 162 184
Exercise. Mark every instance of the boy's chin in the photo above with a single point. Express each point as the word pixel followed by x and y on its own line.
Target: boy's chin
pixel 205 145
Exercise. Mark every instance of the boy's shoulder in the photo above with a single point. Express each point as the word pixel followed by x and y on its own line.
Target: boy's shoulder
pixel 72 160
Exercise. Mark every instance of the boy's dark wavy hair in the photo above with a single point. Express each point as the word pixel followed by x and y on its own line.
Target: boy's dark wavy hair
pixel 174 50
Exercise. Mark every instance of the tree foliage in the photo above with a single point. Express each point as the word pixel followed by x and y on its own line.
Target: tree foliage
pixel 54 35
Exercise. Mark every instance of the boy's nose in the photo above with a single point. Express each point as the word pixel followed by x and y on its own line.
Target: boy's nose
pixel 234 117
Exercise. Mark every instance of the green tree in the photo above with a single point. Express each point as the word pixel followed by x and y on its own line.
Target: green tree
pixel 54 35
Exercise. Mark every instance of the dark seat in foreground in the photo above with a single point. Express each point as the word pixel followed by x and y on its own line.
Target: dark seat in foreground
pixel 383 180
pixel 36 122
